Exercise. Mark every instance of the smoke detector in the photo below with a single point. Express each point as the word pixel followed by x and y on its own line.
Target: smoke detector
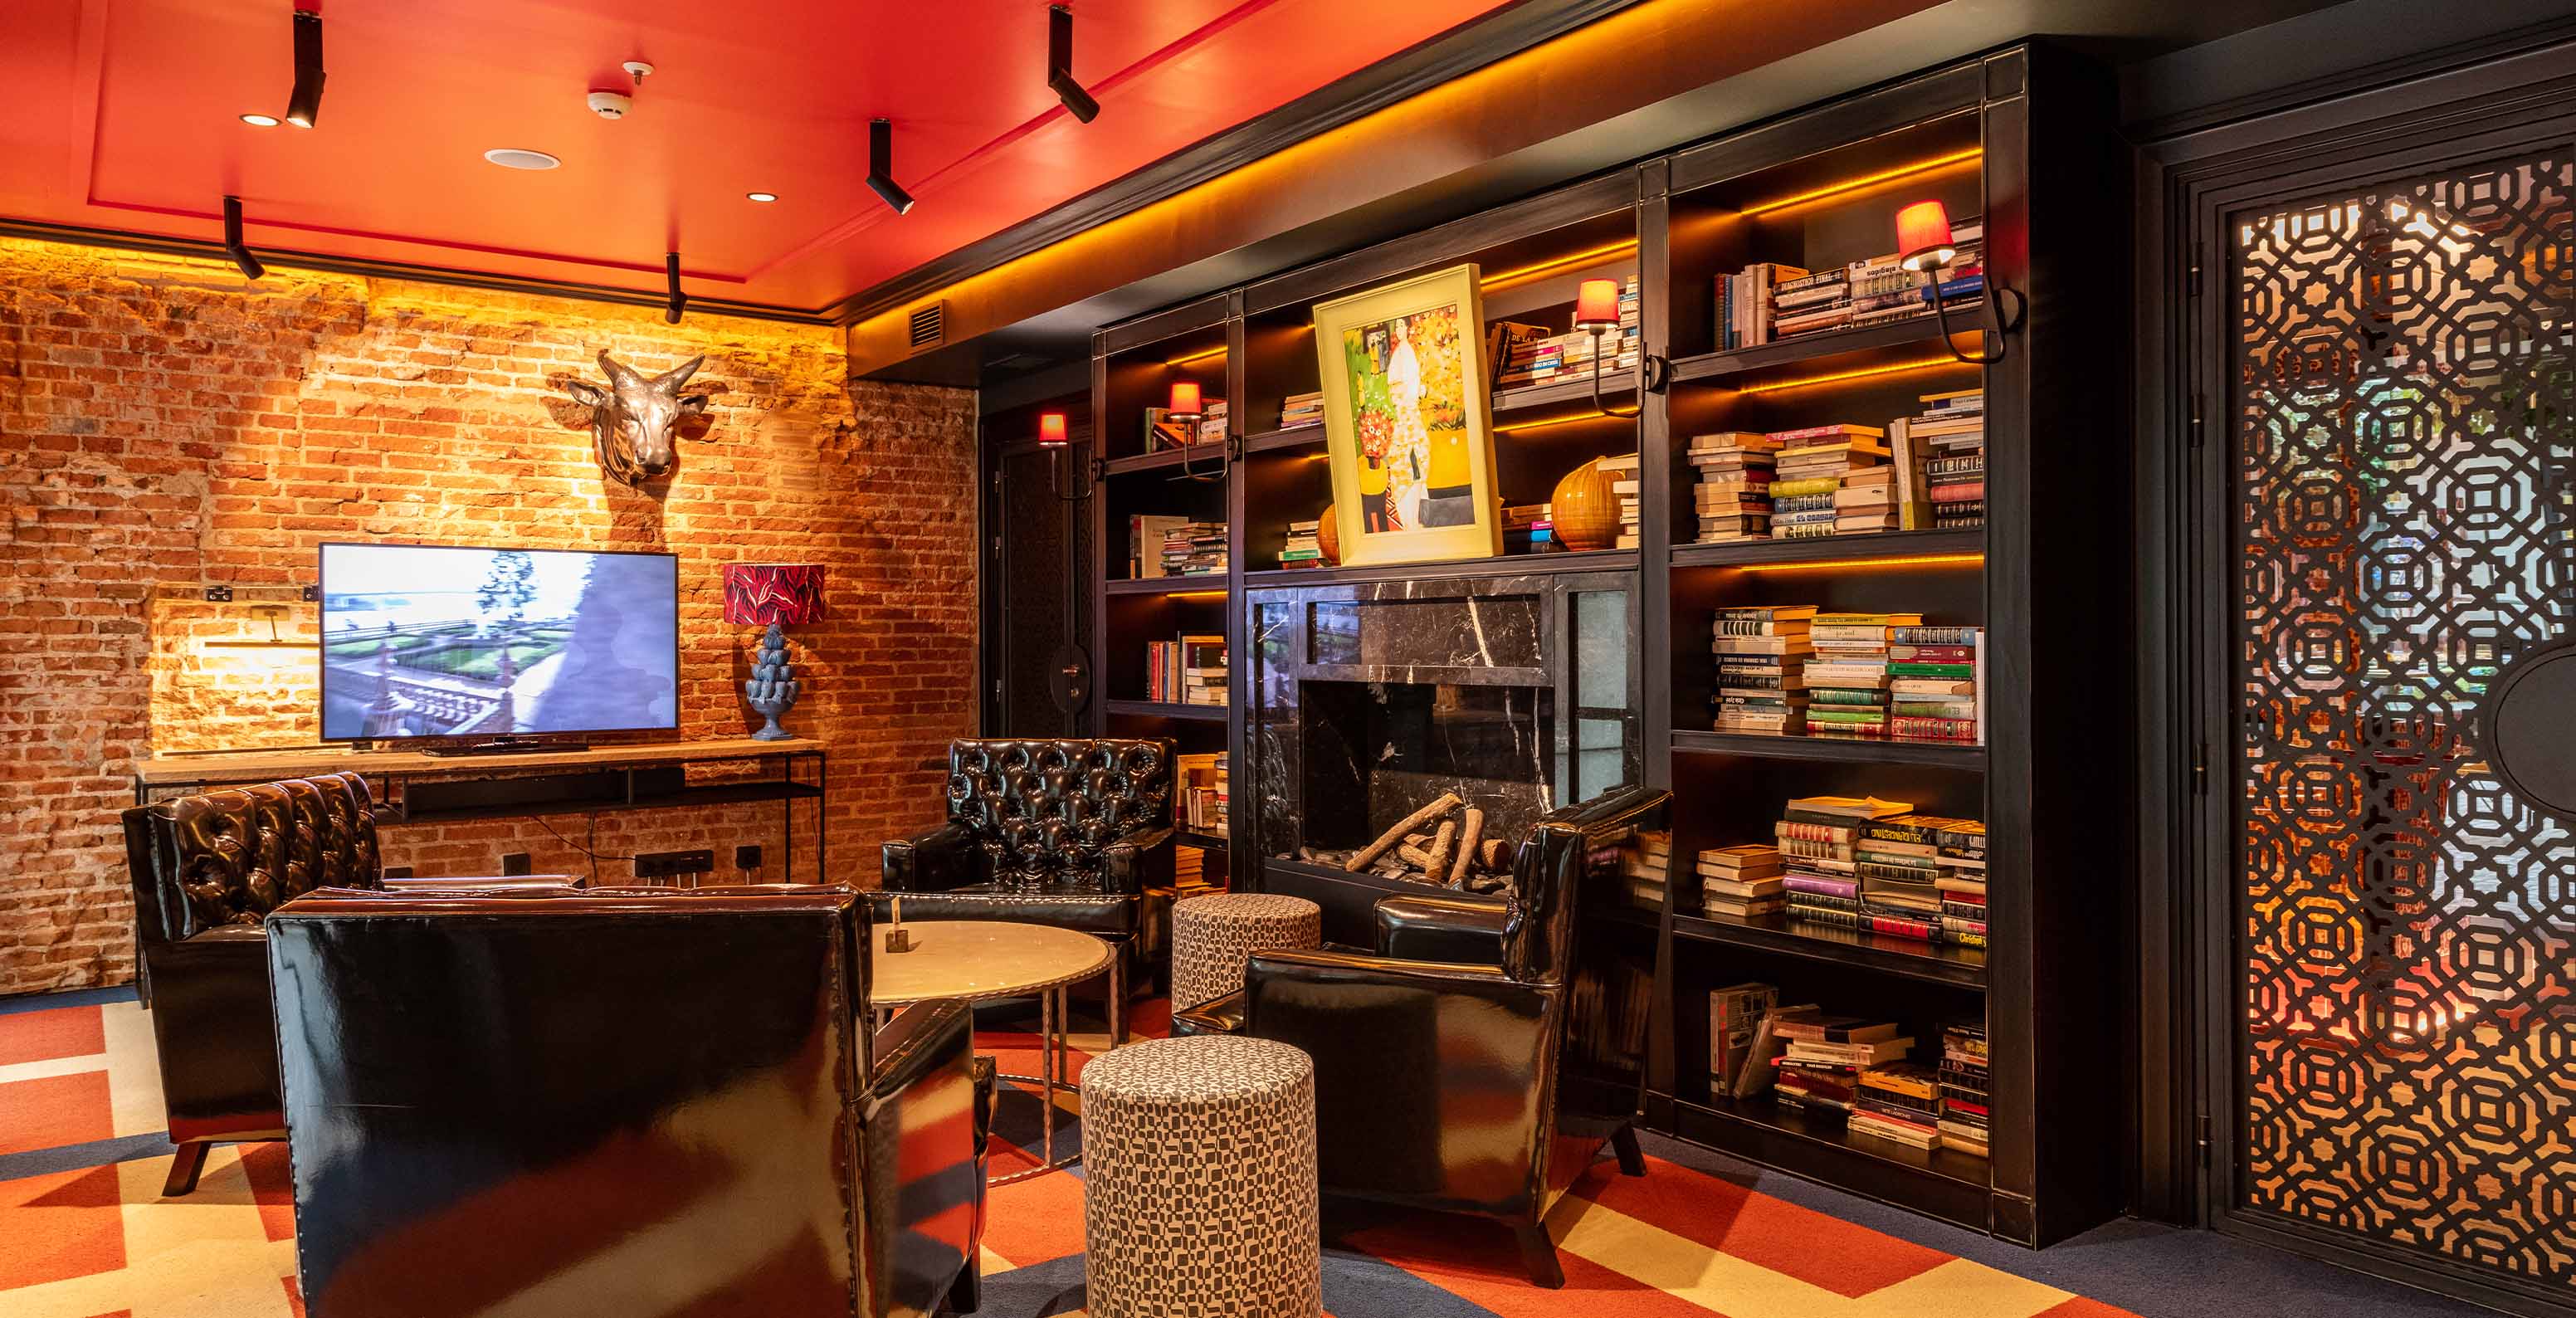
pixel 611 103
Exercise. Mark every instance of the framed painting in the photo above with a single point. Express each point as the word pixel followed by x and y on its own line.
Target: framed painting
pixel 1406 421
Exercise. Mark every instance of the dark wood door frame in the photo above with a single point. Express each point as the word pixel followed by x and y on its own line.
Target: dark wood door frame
pixel 2188 957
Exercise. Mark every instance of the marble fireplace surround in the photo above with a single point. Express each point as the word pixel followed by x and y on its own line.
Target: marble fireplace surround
pixel 1514 691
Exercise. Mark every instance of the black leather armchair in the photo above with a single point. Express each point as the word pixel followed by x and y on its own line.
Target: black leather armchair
pixel 206 869
pixel 619 1102
pixel 1480 1082
pixel 1073 833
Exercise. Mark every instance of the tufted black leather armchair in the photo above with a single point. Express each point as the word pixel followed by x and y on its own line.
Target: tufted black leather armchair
pixel 1075 833
pixel 1483 1081
pixel 207 869
pixel 620 1102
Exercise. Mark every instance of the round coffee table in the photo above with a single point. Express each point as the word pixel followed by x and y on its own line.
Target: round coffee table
pixel 977 960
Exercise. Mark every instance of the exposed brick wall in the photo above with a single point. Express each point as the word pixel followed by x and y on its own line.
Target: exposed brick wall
pixel 164 425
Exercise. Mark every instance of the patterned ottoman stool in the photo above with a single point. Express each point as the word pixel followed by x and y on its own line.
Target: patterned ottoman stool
pixel 1199 1169
pixel 1213 936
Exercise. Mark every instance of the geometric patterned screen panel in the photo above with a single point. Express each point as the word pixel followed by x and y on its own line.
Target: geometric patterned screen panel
pixel 2403 411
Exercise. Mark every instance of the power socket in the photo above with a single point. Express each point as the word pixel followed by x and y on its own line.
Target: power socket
pixel 672 864
pixel 514 864
pixel 746 858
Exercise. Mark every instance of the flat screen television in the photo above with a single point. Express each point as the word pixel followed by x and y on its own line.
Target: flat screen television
pixel 456 641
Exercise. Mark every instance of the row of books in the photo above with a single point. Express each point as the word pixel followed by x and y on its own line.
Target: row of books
pixel 1790 669
pixel 1161 546
pixel 1949 438
pixel 1853 1069
pixel 1186 671
pixel 1302 548
pixel 1199 791
pixel 1528 528
pixel 1879 867
pixel 1916 473
pixel 1769 301
pixel 1524 355
pixel 1623 472
pixel 1302 410
pixel 1165 431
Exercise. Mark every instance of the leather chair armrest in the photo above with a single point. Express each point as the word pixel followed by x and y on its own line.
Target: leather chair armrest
pixel 1103 914
pixel 945 857
pixel 920 1042
pixel 1140 860
pixel 926 1135
pixel 214 1029
pixel 1216 1016
pixel 1339 969
pixel 1465 929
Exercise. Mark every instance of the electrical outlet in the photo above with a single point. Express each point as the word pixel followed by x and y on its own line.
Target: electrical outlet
pixel 746 858
pixel 514 864
pixel 397 871
pixel 671 864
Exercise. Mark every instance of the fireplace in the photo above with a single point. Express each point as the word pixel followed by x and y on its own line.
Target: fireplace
pixel 1513 694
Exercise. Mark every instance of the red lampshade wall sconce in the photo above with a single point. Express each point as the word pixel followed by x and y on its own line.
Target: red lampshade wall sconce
pixel 1596 308
pixel 1052 438
pixel 1924 243
pixel 1188 409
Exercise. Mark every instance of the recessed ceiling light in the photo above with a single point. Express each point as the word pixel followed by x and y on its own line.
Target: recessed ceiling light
pixel 511 157
pixel 260 120
pixel 762 196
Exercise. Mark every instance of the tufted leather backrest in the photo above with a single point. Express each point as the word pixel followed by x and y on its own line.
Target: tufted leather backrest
pixel 1573 851
pixel 1044 809
pixel 229 857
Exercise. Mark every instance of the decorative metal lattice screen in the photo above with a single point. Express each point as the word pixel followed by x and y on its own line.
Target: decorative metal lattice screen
pixel 2404 413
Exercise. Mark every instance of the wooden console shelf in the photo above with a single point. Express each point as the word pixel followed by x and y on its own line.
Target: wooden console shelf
pixel 616 766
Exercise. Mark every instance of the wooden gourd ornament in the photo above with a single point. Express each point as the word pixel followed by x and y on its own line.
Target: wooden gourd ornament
pixel 1585 509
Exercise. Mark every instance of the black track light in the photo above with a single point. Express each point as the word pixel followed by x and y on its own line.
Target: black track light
pixel 679 301
pixel 1060 65
pixel 881 166
pixel 234 247
pixel 304 104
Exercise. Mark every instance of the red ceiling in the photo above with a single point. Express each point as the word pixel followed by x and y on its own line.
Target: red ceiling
pixel 126 116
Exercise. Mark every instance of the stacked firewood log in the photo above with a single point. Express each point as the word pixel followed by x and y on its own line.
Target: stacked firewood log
pixel 1443 844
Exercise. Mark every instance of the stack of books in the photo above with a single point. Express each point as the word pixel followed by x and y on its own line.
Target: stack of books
pixel 1193 549
pixel 1742 881
pixel 1165 431
pixel 1527 529
pixel 1847 679
pixel 1805 305
pixel 1157 544
pixel 1897 859
pixel 1961 881
pixel 1747 300
pixel 1622 471
pixel 1187 671
pixel 1733 494
pixel 1935 686
pixel 1533 356
pixel 1810 471
pixel 1899 1101
pixel 1643 866
pixel 1762 656
pixel 1820 873
pixel 1199 783
pixel 1302 410
pixel 1962 1075
pixel 1827 1057
pixel 1950 433
pixel 1301 549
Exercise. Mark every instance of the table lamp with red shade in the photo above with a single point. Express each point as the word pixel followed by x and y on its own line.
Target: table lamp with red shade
pixel 774 594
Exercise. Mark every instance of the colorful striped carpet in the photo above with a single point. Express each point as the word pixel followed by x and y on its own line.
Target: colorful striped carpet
pixel 85 1233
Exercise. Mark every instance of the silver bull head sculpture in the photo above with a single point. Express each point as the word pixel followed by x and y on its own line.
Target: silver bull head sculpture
pixel 635 422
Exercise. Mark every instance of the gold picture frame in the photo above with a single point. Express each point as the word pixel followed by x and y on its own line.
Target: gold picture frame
pixel 1407 421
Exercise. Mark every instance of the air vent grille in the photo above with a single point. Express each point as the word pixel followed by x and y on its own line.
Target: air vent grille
pixel 929 325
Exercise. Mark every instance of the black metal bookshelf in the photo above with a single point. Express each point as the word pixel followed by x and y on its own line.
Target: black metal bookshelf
pixel 2023 138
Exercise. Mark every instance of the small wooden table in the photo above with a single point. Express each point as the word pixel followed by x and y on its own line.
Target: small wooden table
pixel 977 960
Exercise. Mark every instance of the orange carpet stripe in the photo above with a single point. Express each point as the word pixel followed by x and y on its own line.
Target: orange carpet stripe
pixel 1823 1251
pixel 38 1036
pixel 55 1111
pixel 1034 1221
pixel 1478 1263
pixel 59 1225
pixel 272 1186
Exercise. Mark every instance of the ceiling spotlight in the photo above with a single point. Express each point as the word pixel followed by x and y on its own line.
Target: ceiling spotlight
pixel 761 196
pixel 513 157
pixel 881 166
pixel 234 247
pixel 1060 65
pixel 304 104
pixel 260 120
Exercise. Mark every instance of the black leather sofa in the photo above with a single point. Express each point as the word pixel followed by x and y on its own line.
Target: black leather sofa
pixel 1075 833
pixel 619 1102
pixel 1465 1065
pixel 206 870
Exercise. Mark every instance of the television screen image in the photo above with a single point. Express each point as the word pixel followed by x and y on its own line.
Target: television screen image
pixel 450 641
